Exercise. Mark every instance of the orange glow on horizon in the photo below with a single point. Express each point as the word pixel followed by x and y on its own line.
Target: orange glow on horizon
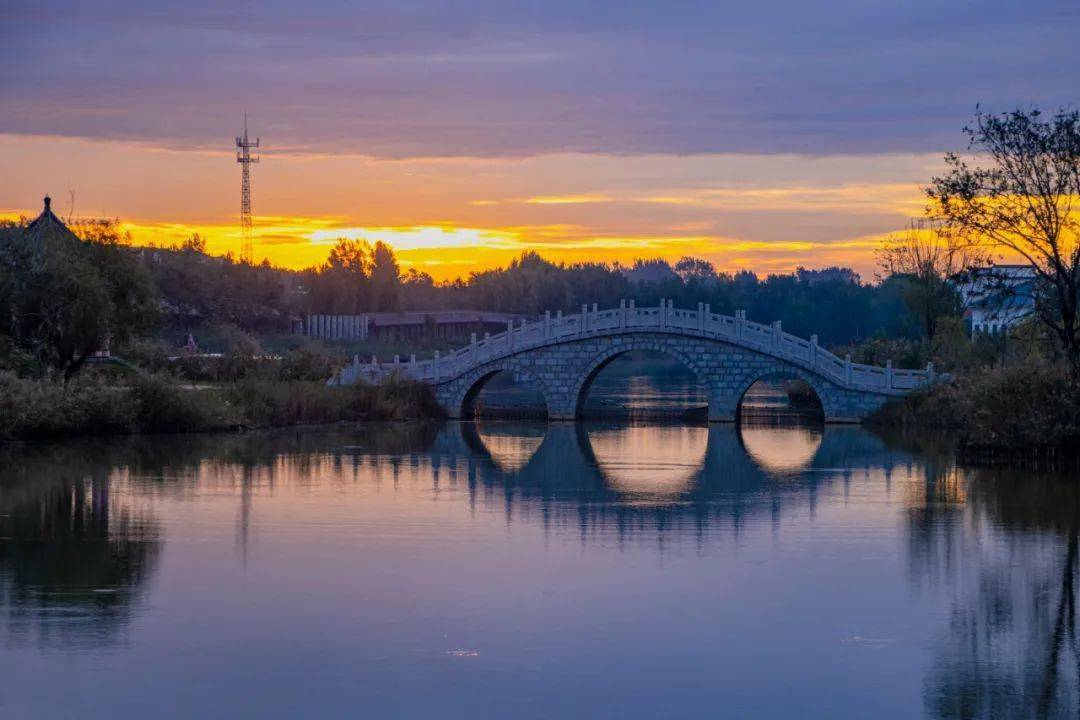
pixel 453 216
pixel 448 252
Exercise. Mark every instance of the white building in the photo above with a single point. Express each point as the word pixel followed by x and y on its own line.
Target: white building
pixel 997 297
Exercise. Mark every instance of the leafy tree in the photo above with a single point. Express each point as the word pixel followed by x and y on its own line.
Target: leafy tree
pixel 343 284
pixel 1019 198
pixel 194 244
pixel 385 278
pixel 64 298
pixel 928 260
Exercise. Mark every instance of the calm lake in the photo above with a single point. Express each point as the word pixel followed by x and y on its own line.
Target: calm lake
pixel 532 570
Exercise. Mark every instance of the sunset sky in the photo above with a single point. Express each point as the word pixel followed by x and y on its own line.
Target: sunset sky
pixel 757 135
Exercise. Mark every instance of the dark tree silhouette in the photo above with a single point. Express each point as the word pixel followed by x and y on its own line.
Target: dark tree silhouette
pixel 1018 195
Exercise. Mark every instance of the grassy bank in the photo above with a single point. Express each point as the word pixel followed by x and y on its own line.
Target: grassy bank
pixel 156 404
pixel 1030 410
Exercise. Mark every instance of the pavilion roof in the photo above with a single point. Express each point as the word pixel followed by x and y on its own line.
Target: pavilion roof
pixel 46 235
pixel 48 228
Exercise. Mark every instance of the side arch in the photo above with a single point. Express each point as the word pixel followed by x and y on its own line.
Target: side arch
pixel 472 383
pixel 822 388
pixel 605 357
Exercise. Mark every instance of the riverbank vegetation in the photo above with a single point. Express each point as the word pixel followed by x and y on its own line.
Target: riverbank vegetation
pixel 94 404
pixel 1015 391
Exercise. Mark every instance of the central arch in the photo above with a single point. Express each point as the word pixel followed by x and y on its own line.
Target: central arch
pixel 816 383
pixel 581 388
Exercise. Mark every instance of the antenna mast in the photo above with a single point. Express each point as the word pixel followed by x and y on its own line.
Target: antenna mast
pixel 243 156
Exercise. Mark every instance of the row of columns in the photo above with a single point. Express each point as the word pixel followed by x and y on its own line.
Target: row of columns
pixel 337 327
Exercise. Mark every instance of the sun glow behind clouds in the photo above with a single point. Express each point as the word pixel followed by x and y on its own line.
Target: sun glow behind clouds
pixel 425 237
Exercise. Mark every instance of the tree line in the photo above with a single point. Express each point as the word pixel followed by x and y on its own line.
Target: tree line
pixel 357 278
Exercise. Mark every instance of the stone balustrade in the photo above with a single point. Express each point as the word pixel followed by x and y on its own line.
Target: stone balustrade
pixel 666 319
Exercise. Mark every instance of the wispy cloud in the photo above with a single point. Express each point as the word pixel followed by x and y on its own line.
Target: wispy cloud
pixel 584 199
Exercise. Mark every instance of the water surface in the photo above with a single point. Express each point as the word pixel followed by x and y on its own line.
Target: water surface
pixel 535 570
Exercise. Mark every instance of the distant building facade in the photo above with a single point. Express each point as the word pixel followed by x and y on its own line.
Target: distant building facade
pixel 997 297
pixel 409 325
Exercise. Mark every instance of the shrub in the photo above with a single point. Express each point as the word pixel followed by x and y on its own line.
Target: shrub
pixel 31 408
pixel 164 406
pixel 148 354
pixel 1018 408
pixel 269 403
pixel 42 408
pixel 311 362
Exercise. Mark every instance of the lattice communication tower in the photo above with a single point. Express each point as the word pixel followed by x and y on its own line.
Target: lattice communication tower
pixel 245 158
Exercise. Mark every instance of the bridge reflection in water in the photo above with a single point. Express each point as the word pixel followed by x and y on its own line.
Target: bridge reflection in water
pixel 653 480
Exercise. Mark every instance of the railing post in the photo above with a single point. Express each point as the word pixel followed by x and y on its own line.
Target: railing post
pixel 558 321
pixel 930 372
pixel 777 333
pixel 472 346
pixel 583 322
pixel 662 315
pixel 547 324
pixel 847 368
pixel 435 367
pixel 740 321
pixel 888 374
pixel 701 317
pixel 595 318
pixel 813 351
pixel 708 316
pixel 631 312
pixel 509 334
pixel 622 314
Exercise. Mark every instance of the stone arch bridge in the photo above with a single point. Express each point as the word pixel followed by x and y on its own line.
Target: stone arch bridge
pixel 727 354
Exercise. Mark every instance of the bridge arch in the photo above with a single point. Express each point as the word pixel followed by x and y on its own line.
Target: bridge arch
pixel 819 385
pixel 605 357
pixel 473 383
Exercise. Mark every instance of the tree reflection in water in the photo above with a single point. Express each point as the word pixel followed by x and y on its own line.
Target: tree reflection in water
pixel 74 554
pixel 1006 542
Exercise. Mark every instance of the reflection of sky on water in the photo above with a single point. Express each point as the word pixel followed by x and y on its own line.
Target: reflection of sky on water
pixel 510 449
pixel 781 449
pixel 642 462
pixel 531 571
